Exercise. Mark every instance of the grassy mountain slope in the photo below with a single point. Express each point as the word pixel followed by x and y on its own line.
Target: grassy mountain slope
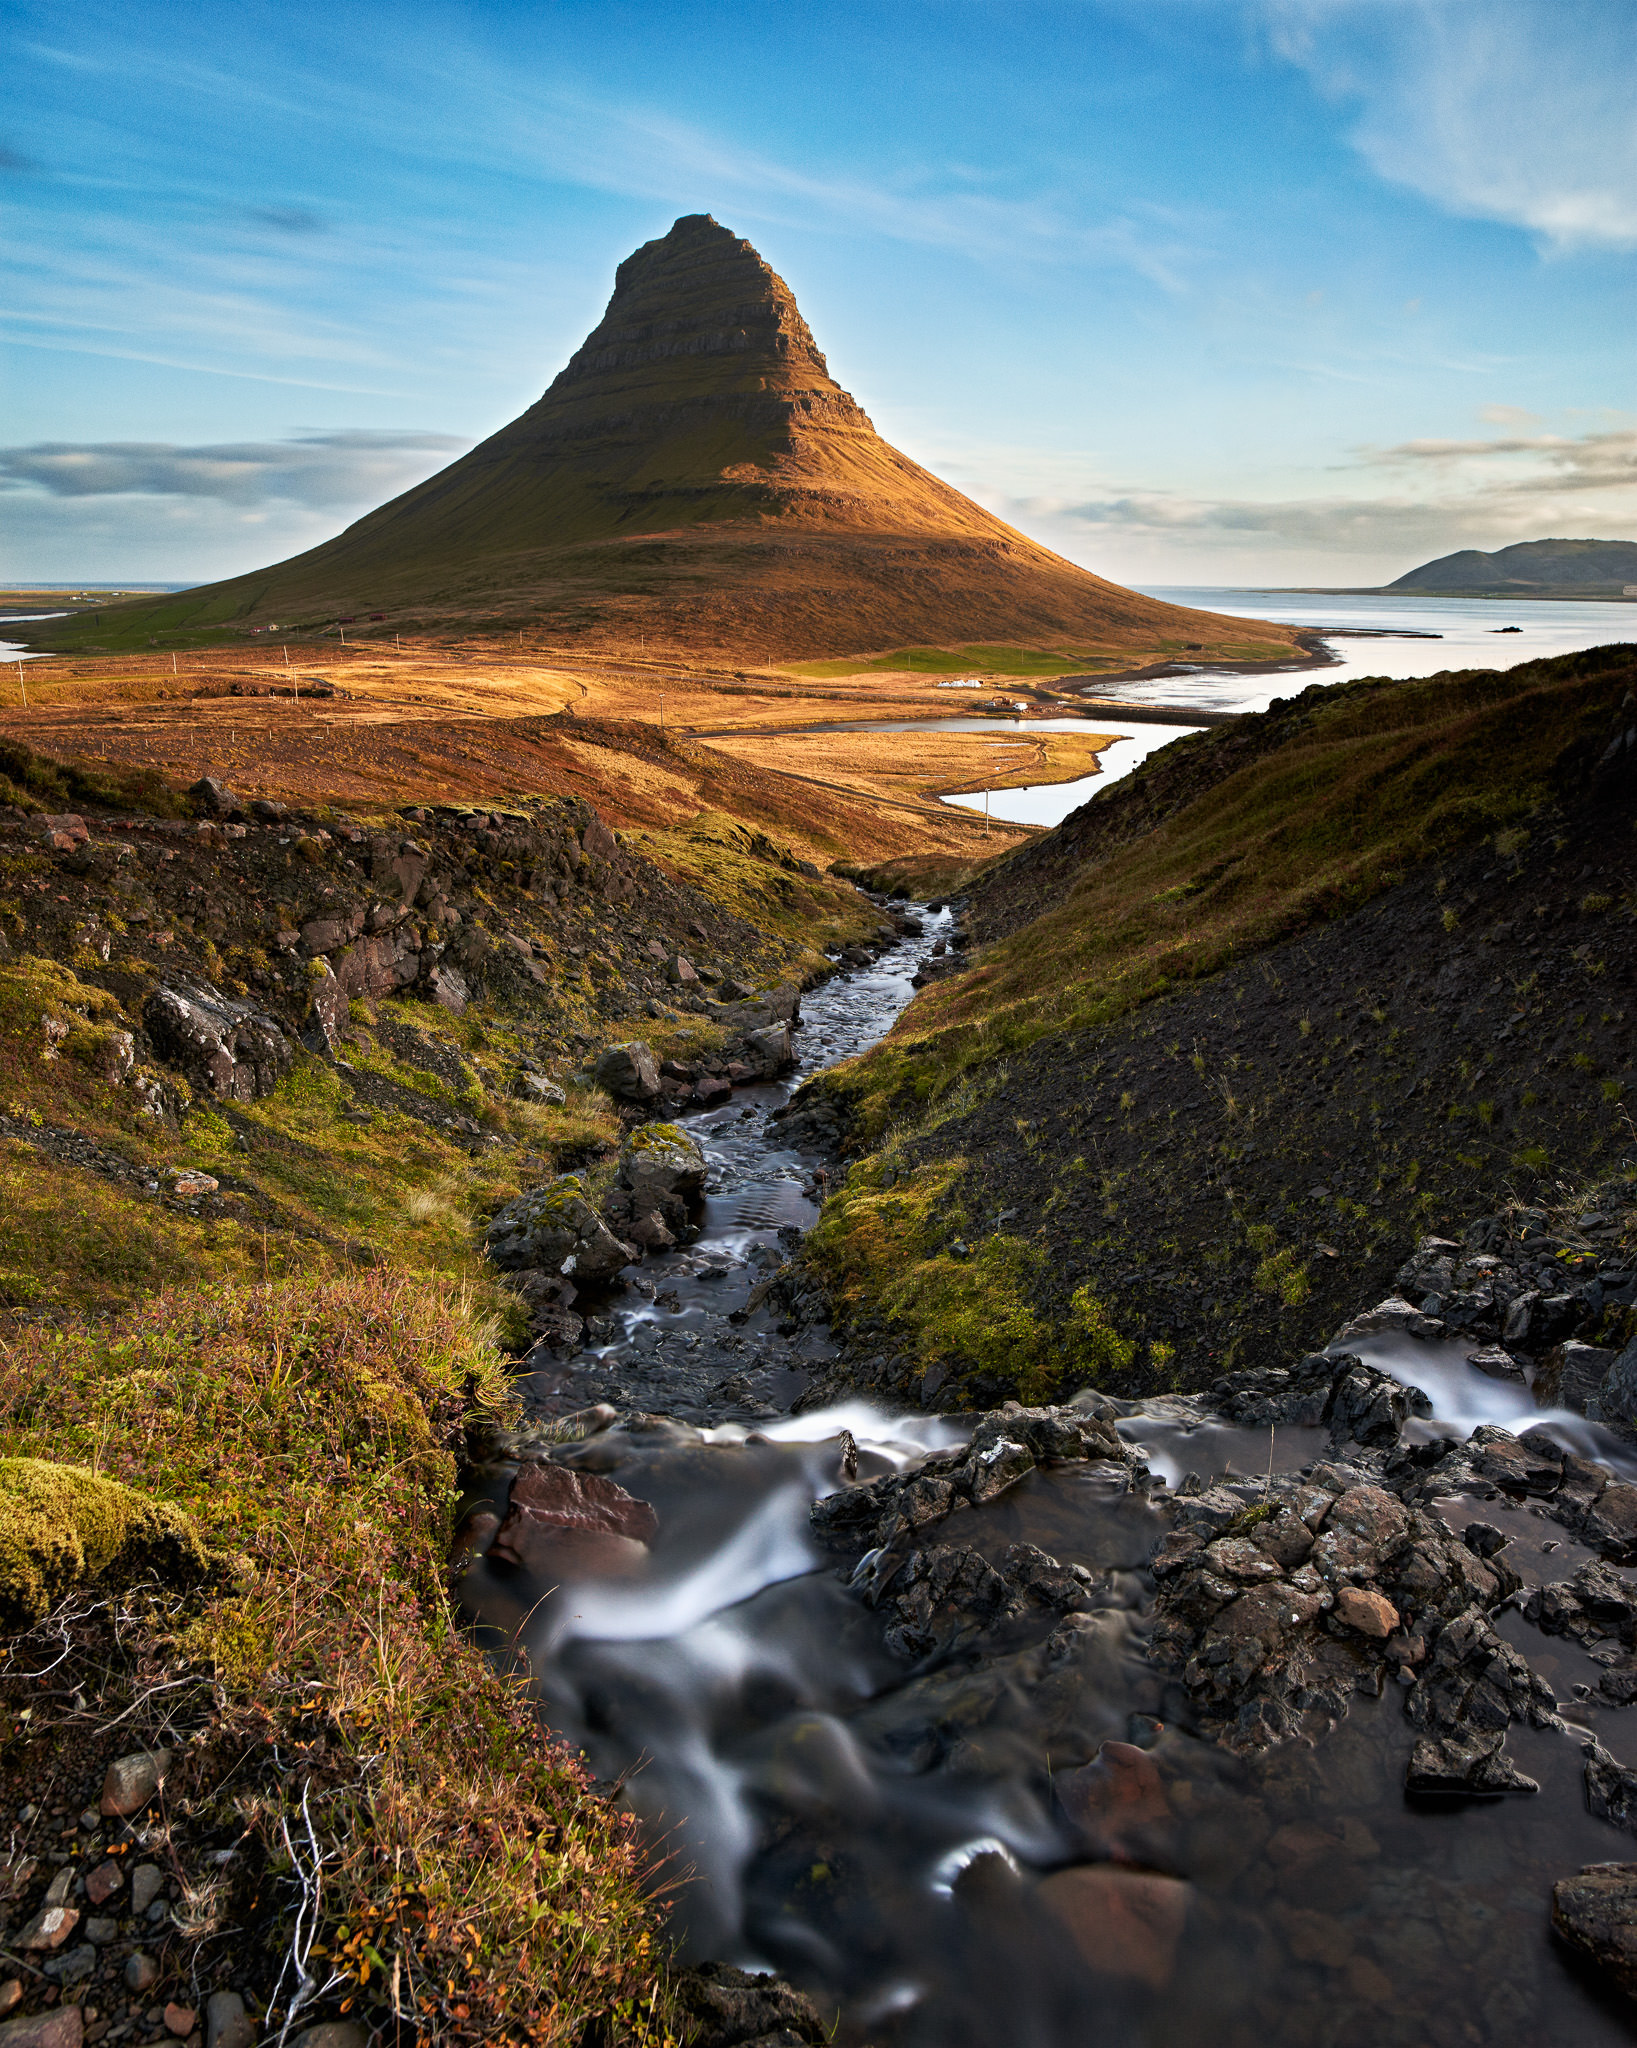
pixel 1375 942
pixel 693 477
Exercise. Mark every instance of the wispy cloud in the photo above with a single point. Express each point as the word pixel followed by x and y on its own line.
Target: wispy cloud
pixel 1544 462
pixel 317 471
pixel 1456 493
pixel 1523 111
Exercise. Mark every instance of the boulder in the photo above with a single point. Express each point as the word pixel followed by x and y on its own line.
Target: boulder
pixel 555 1226
pixel 534 1087
pixel 680 970
pixel 1571 1375
pixel 661 1164
pixel 1118 1804
pixel 769 1050
pixel 628 1072
pixel 215 798
pixel 229 1048
pixel 63 831
pixel 1595 1914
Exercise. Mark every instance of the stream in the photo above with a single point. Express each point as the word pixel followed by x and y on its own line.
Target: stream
pixel 887 1835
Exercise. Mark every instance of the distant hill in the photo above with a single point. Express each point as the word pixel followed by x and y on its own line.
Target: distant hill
pixel 1532 568
pixel 695 476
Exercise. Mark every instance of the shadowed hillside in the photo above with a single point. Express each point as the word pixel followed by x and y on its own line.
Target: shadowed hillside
pixel 695 478
pixel 1250 1020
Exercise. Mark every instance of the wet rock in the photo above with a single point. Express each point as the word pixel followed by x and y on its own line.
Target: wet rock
pixel 1124 1924
pixel 1610 1522
pixel 1371 1614
pixel 1357 1402
pixel 1118 1804
pixel 1530 1464
pixel 566 1521
pixel 235 1052
pixel 1495 1362
pixel 628 1072
pixel 1611 1789
pixel 1595 1914
pixel 1471 1766
pixel 1004 1447
pixel 941 1599
pixel 1617 1392
pixel 554 1227
pixel 731 2008
pixel 1571 1375
pixel 769 1051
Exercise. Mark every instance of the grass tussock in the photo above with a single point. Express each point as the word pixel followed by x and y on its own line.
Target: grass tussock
pixel 466 1887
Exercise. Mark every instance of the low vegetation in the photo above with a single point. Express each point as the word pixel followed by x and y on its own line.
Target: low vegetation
pixel 457 1876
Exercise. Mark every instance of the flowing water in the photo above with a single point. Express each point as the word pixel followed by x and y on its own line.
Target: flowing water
pixel 887 1835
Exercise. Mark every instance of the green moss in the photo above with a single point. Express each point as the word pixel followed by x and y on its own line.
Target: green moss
pixel 63 1523
pixel 885 1246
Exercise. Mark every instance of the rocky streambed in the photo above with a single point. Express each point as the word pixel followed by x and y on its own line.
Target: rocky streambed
pixel 1297 1711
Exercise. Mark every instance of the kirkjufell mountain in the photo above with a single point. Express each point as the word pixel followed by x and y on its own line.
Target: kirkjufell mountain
pixel 696 476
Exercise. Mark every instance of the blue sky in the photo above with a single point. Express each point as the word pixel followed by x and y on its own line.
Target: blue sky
pixel 1214 291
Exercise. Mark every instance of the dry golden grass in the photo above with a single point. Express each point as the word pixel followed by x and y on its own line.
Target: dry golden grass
pixel 920 767
pixel 478 725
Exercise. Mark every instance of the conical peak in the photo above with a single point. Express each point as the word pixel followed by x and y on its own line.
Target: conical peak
pixel 704 293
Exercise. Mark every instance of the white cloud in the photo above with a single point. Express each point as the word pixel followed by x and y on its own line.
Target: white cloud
pixel 1522 111
pixel 347 467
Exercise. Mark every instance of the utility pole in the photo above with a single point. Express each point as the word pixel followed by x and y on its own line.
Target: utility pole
pixel 661 701
pixel 174 669
pixel 22 685
pixel 286 654
pixel 986 814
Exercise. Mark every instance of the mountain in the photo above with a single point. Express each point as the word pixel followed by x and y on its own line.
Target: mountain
pixel 696 475
pixel 1532 568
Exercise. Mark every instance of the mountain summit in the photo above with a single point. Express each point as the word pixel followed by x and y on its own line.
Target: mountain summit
pixel 695 476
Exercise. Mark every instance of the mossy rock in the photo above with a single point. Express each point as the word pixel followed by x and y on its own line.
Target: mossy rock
pixel 60 1524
